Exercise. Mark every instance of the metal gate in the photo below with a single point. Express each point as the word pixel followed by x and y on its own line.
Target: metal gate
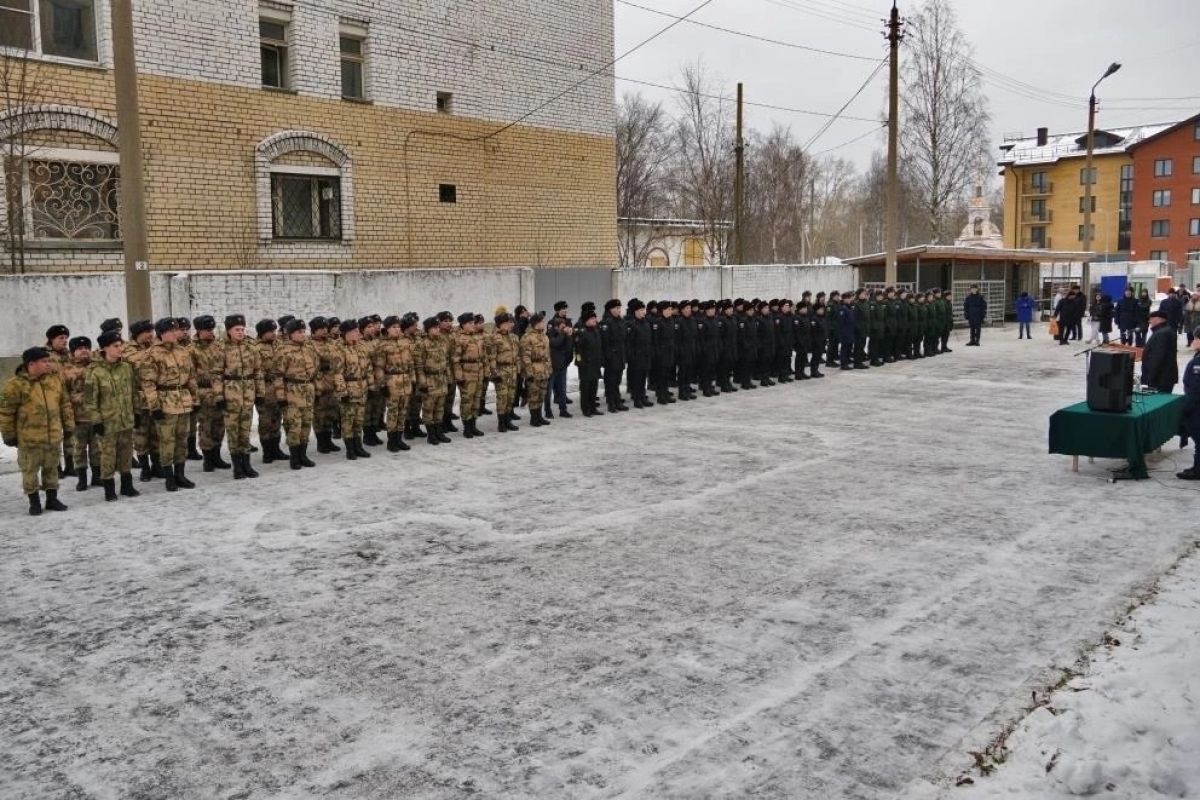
pixel 871 286
pixel 575 286
pixel 994 292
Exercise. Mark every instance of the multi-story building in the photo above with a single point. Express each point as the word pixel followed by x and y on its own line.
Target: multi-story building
pixel 1044 184
pixel 1166 194
pixel 346 133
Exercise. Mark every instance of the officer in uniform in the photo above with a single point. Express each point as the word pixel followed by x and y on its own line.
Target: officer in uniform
pixel 562 351
pixel 85 449
pixel 108 394
pixel 1191 408
pixel 210 420
pixel 848 332
pixel 433 373
pixel 727 328
pixel 747 340
pixel 57 339
pixel 662 340
pixel 327 410
pixel 766 343
pixel 371 336
pixel 686 336
pixel 446 323
pixel 238 384
pixel 834 342
pixel 467 364
pixel 352 384
pixel 612 341
pixel 819 328
pixel 502 355
pixel 535 366
pixel 801 330
pixel 168 378
pixel 36 418
pixel 785 341
pixel 640 352
pixel 878 327
pixel 947 321
pixel 589 360
pixel 708 348
pixel 297 367
pixel 394 376
pixel 270 411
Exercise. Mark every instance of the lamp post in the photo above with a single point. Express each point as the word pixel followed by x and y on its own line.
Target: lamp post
pixel 1087 173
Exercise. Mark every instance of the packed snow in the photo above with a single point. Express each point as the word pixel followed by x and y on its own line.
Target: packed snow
pixel 827 589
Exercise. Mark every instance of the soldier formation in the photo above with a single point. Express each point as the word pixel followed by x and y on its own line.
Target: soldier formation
pixel 146 403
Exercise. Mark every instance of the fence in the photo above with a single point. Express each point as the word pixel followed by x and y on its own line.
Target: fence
pixel 994 292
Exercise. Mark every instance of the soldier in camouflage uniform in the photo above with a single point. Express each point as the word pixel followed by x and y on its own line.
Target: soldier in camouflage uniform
pixel 535 365
pixel 297 366
pixel 502 355
pixel 108 394
pixel 35 418
pixel 57 339
pixel 238 384
pixel 168 380
pixel 327 409
pixel 270 412
pixel 185 343
pixel 433 373
pixel 484 411
pixel 373 422
pixel 210 420
pixel 446 324
pixel 145 439
pixel 947 322
pixel 467 365
pixel 85 449
pixel 355 380
pixel 393 373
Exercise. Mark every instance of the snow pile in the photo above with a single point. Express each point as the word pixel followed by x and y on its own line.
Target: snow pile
pixel 1126 728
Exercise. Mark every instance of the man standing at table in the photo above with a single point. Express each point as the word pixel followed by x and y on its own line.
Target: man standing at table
pixel 1160 370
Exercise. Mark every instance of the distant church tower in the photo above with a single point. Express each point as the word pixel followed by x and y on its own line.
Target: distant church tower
pixel 980 231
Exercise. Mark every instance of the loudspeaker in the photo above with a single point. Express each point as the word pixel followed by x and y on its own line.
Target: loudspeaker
pixel 1110 381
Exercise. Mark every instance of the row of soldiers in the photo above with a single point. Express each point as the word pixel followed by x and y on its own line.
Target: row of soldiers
pixel 146 403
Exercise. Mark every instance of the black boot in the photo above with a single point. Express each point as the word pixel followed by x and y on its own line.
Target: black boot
pixel 181 479
pixel 238 474
pixel 193 454
pixel 268 452
pixel 81 474
pixel 431 437
pixel 329 437
pixel 415 431
pixel 127 489
pixel 351 450
pixel 156 467
pixel 357 443
pixel 52 501
pixel 535 418
pixel 294 456
pixel 304 459
pixel 144 464
pixel 110 489
pixel 96 476
pixel 563 413
pixel 219 462
pixel 325 441
pixel 35 505
pixel 441 437
pixel 247 470
pixel 468 429
pixel 392 437
pixel 510 425
pixel 370 436
pixel 448 426
pixel 208 461
pixel 400 443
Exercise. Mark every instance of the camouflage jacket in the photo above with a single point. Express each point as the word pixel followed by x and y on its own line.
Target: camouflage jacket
pixel 535 354
pixel 356 375
pixel 296 368
pixel 109 389
pixel 72 374
pixel 429 354
pixel 394 357
pixel 238 370
pixel 35 410
pixel 467 356
pixel 502 354
pixel 167 375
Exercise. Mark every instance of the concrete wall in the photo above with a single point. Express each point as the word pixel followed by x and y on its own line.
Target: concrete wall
pixel 749 281
pixel 668 283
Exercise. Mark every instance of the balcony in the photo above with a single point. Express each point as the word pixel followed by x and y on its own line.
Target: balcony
pixel 1042 218
pixel 1031 189
pixel 1036 244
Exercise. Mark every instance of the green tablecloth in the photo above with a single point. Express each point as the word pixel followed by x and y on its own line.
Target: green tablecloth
pixel 1078 431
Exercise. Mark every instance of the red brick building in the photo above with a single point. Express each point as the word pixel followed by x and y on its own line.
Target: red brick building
pixel 1165 187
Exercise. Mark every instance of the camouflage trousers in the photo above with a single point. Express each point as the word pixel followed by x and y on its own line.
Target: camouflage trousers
pixel 433 402
pixel 270 417
pixel 210 427
pixel 396 406
pixel 237 426
pixel 326 413
pixel 116 450
pixel 353 414
pixel 506 391
pixel 173 431
pixel 535 388
pixel 448 402
pixel 298 414
pixel 38 460
pixel 374 409
pixel 85 447
pixel 145 434
pixel 470 396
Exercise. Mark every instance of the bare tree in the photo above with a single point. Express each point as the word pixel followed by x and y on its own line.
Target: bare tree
pixel 777 174
pixel 643 151
pixel 19 88
pixel 945 122
pixel 701 177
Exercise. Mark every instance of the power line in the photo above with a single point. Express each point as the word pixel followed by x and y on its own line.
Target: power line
pixel 845 105
pixel 746 102
pixel 746 35
pixel 826 14
pixel 847 143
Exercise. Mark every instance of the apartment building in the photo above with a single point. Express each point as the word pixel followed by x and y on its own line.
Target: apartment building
pixel 1166 194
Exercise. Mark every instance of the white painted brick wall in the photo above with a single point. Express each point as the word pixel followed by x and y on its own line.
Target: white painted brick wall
pixel 409 56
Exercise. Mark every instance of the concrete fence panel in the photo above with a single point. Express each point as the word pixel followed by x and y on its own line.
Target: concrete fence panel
pixel 667 283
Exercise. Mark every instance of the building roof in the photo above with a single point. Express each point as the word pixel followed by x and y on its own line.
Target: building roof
pixel 1168 129
pixel 656 222
pixel 1109 141
pixel 943 252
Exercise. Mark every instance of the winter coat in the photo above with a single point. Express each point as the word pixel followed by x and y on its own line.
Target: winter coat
pixel 1105 314
pixel 747 340
pixel 466 357
pixel 1159 366
pixel 589 352
pixel 974 308
pixel 708 338
pixel 238 374
pixel 1191 388
pixel 686 336
pixel 612 341
pixel 108 390
pixel 1127 313
pixel 1144 304
pixel 296 367
pixel 847 324
pixel 535 354
pixel 168 379
pixel 728 327
pixel 502 354
pixel 35 410
pixel 356 375
pixel 561 349
pixel 1025 308
pixel 1173 309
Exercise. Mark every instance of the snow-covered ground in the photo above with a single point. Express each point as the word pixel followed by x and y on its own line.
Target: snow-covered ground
pixel 827 589
pixel 1127 726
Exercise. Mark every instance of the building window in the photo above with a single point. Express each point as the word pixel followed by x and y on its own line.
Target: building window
pixel 1087 176
pixel 658 258
pixel 1037 237
pixel 1081 204
pixel 1091 229
pixel 306 206
pixel 1196 131
pixel 63 28
pixel 693 252
pixel 72 201
pixel 1160 227
pixel 1161 198
pixel 445 103
pixel 447 193
pixel 1194 227
pixel 977 229
pixel 1196 196
pixel 1196 165
pixel 273 44
pixel 353 65
pixel 1037 209
pixel 1158 255
pixel 1164 167
pixel 1039 183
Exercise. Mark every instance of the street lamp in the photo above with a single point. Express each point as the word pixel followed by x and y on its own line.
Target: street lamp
pixel 1087 172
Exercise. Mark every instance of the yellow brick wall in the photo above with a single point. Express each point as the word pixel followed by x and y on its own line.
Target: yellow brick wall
pixel 1063 202
pixel 529 197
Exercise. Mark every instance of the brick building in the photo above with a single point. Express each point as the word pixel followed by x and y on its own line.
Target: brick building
pixel 1166 194
pixel 352 133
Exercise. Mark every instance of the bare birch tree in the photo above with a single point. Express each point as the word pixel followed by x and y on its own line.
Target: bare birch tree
pixel 643 144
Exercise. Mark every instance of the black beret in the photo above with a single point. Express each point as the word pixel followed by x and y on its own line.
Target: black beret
pixel 265 326
pixel 390 321
pixel 54 331
pixel 140 327
pixel 166 324
pixel 113 324
pixel 107 338
pixel 635 304
pixel 561 305
pixel 348 325
pixel 445 316
pixel 235 321
pixel 205 323
pixel 284 320
pixel 293 326
pixel 466 318
pixel 430 323
pixel 317 323
pixel 611 304
pixel 78 342
pixel 34 354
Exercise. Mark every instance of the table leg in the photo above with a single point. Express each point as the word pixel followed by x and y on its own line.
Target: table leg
pixel 1074 463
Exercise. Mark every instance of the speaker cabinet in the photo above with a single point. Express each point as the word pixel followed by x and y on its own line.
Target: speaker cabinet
pixel 1110 381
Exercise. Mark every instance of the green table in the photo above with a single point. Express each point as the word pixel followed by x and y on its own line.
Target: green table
pixel 1078 431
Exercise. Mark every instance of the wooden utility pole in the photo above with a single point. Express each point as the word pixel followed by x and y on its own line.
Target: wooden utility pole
pixel 893 182
pixel 739 188
pixel 133 192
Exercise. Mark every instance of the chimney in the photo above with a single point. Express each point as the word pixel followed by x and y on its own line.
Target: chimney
pixel 1043 136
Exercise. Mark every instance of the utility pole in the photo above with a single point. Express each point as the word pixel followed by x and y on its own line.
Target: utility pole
pixel 893 182
pixel 739 187
pixel 1087 183
pixel 133 191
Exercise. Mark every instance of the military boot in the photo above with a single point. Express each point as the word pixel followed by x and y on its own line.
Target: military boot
pixel 370 436
pixel 351 451
pixel 294 456
pixel 535 418
pixel 416 432
pixel 208 461
pixel 181 479
pixel 468 429
pixel 81 474
pixel 247 470
pixel 144 465
pixel 192 453
pixel 110 489
pixel 357 443
pixel 238 473
pixel 127 489
pixel 52 501
pixel 305 461
pixel 35 505
pixel 431 436
pixel 277 453
pixel 562 412
pixel 156 467
pixel 448 426
pixel 96 475
pixel 268 455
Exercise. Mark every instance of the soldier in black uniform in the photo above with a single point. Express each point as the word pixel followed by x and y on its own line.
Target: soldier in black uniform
pixel 612 340
pixel 819 327
pixel 653 317
pixel 833 338
pixel 801 332
pixel 765 328
pixel 640 352
pixel 685 350
pixel 727 329
pixel 747 339
pixel 662 335
pixel 589 358
pixel 785 341
pixel 708 340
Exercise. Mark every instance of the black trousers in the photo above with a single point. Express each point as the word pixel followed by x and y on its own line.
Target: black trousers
pixel 588 386
pixel 976 330
pixel 860 348
pixel 612 382
pixel 636 381
pixel 686 375
pixel 745 369
pixel 801 361
pixel 783 361
pixel 848 352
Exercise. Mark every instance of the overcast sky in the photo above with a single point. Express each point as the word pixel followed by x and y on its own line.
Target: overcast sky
pixel 1060 46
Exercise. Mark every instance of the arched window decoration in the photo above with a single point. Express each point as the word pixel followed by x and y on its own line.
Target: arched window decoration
pixel 658 258
pixel 305 189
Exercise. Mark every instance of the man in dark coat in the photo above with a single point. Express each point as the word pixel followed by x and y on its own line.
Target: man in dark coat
pixel 662 335
pixel 1173 309
pixel 685 350
pixel 747 341
pixel 847 328
pixel 612 343
pixel 708 347
pixel 728 329
pixel 589 357
pixel 640 350
pixel 562 345
pixel 975 310
pixel 1191 408
pixel 1127 316
pixel 1160 370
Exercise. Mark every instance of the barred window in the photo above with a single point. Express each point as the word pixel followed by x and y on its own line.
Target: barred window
pixel 306 206
pixel 65 28
pixel 72 201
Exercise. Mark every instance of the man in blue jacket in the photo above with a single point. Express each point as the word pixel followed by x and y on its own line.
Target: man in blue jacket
pixel 975 310
pixel 1025 309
